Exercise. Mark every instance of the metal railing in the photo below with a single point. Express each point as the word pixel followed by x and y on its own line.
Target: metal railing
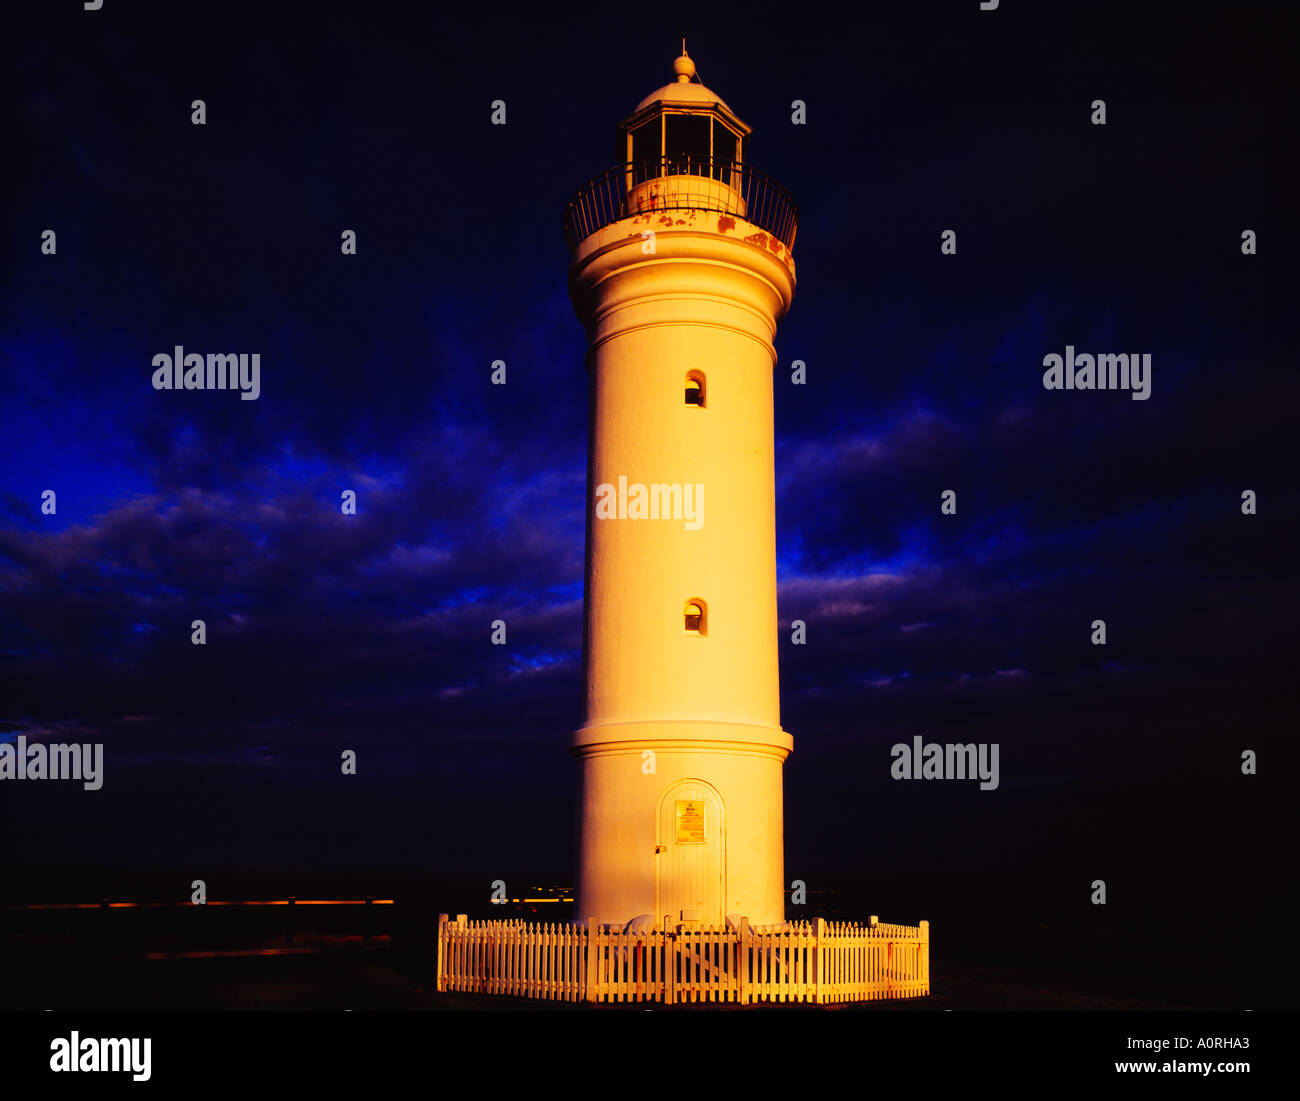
pixel 688 184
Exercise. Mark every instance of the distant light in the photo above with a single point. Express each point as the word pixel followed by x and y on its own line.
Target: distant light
pixel 210 902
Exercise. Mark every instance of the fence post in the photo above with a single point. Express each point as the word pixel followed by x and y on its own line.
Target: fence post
pixel 742 972
pixel 819 952
pixel 670 967
pixel 442 924
pixel 591 959
pixel 925 957
pixel 464 954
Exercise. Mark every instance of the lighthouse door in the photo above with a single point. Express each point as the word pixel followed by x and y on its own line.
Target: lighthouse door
pixel 690 856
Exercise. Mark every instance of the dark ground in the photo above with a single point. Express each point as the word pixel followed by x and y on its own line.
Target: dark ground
pixel 321 958
pixel 339 977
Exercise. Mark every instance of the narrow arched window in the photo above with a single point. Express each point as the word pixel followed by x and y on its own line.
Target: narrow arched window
pixel 694 617
pixel 695 389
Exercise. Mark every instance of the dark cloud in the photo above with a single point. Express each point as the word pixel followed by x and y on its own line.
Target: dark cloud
pixel 372 632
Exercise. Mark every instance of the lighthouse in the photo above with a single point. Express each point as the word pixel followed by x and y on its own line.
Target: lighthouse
pixel 680 269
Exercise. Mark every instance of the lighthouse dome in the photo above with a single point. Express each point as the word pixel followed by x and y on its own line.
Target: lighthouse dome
pixel 684 94
pixel 685 91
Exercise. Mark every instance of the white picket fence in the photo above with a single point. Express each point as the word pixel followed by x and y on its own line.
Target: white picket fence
pixel 817 961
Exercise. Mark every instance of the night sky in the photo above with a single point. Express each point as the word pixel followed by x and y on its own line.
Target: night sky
pixel 372 632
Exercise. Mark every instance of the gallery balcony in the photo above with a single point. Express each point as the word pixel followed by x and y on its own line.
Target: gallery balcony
pixel 666 184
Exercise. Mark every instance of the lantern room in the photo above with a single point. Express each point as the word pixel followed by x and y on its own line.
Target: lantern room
pixel 682 149
pixel 683 129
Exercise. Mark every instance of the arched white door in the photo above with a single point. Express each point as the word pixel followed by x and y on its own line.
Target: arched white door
pixel 691 864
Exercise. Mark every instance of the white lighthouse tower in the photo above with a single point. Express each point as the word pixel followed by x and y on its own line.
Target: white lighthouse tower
pixel 680 269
